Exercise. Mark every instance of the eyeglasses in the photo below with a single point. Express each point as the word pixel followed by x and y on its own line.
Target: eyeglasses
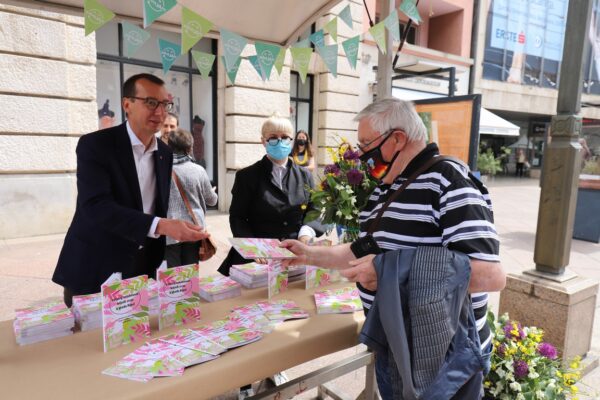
pixel 153 103
pixel 362 147
pixel 274 141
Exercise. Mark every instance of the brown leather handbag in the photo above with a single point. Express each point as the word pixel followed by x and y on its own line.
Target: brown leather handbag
pixel 208 248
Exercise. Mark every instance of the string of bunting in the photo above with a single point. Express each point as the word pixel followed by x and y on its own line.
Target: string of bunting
pixel 194 27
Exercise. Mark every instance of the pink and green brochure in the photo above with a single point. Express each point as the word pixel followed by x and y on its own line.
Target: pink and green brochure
pixel 318 277
pixel 252 248
pixel 338 301
pixel 277 279
pixel 124 310
pixel 178 295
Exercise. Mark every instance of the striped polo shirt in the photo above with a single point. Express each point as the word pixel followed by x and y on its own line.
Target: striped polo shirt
pixel 442 207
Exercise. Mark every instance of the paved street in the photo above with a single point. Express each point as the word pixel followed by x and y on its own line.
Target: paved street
pixel 26 266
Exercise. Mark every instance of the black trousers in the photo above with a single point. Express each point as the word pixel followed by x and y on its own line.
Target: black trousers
pixel 183 253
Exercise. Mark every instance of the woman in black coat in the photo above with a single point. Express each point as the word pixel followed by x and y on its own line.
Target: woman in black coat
pixel 271 197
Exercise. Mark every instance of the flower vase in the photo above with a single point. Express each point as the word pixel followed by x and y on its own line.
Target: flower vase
pixel 349 234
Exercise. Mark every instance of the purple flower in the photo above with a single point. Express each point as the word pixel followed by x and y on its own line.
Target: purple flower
pixel 547 350
pixel 332 169
pixel 513 333
pixel 501 350
pixel 355 177
pixel 351 155
pixel 521 369
pixel 324 185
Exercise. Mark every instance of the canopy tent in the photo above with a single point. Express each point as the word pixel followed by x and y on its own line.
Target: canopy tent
pixel 491 124
pixel 274 21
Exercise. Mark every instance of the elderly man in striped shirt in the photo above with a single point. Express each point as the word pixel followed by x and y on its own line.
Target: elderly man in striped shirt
pixel 441 207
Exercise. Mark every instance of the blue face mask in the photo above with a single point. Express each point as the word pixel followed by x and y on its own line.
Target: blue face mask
pixel 279 151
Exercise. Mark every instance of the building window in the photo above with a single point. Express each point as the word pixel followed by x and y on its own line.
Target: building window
pixel 524 42
pixel 412 33
pixel 194 97
pixel 301 102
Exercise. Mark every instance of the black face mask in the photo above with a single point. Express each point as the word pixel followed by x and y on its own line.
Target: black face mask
pixel 378 167
pixel 301 142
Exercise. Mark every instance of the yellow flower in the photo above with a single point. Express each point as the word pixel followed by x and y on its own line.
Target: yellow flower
pixel 575 363
pixel 303 207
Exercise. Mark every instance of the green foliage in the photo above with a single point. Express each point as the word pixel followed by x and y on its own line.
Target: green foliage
pixel 591 167
pixel 488 164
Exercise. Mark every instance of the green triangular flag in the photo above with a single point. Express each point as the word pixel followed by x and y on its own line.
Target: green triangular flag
pixel 153 9
pixel 232 71
pixel 280 60
pixel 318 38
pixel 134 37
pixel 378 33
pixel 233 45
pixel 169 52
pixel 204 62
pixel 301 57
pixel 256 64
pixel 391 22
pixel 193 28
pixel 329 56
pixel 351 49
pixel 267 54
pixel 409 8
pixel 331 27
pixel 302 43
pixel 95 15
pixel 346 16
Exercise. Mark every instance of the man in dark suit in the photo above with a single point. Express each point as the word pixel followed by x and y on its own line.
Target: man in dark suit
pixel 123 180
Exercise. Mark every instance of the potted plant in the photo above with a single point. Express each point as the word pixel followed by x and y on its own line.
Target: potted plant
pixel 488 164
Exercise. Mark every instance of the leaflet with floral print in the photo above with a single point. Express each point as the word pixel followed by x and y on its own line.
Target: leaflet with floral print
pixel 338 301
pixel 193 340
pixel 178 294
pixel 281 310
pixel 278 278
pixel 252 248
pixel 228 333
pixel 41 315
pixel 318 277
pixel 124 310
pixel 218 287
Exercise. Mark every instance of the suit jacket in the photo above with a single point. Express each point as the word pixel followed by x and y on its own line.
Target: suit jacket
pixel 109 224
pixel 260 209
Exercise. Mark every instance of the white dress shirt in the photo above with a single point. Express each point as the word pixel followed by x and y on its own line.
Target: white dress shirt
pixel 144 165
pixel 278 172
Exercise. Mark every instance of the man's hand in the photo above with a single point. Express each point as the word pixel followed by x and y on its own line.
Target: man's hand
pixel 362 271
pixel 301 250
pixel 180 230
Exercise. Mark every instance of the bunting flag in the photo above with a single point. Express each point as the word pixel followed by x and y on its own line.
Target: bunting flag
pixel 95 15
pixel 267 54
pixel 232 71
pixel 204 62
pixel 301 57
pixel 331 28
pixel 409 8
pixel 351 49
pixel 329 56
pixel 134 37
pixel 169 52
pixel 318 38
pixel 280 60
pixel 256 64
pixel 233 45
pixel 378 33
pixel 193 28
pixel 302 43
pixel 346 16
pixel 153 9
pixel 391 22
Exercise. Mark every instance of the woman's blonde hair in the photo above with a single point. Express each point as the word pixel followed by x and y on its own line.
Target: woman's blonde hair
pixel 276 123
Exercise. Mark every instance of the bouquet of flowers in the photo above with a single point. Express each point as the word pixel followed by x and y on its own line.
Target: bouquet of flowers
pixel 343 191
pixel 524 367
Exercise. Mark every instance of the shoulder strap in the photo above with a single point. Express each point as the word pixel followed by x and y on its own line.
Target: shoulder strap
pixel 184 197
pixel 425 167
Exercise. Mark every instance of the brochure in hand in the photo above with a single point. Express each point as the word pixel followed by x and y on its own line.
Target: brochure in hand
pixel 253 248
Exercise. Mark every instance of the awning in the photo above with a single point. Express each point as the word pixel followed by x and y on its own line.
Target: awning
pixel 491 124
pixel 275 21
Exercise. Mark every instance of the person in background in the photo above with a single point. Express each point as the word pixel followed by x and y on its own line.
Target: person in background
pixel 302 152
pixel 123 180
pixel 198 191
pixel 521 159
pixel 171 123
pixel 106 117
pixel 198 148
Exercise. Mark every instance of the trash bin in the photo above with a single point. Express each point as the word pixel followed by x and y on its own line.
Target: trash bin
pixel 587 212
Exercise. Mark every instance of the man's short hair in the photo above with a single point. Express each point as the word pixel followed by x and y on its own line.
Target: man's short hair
pixel 393 113
pixel 180 141
pixel 129 89
pixel 172 114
